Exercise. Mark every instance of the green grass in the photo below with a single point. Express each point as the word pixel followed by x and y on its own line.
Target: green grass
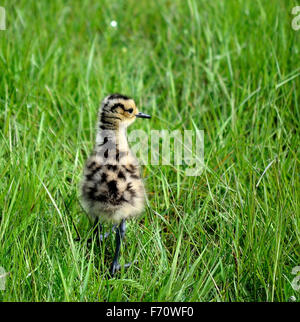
pixel 231 67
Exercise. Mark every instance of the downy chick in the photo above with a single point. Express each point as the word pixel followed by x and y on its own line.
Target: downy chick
pixel 112 189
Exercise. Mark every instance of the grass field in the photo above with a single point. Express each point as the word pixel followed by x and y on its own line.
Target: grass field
pixel 230 68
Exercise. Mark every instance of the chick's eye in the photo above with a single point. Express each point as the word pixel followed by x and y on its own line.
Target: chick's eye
pixel 130 110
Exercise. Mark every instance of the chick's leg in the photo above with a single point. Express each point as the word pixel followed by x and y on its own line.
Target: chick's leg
pixel 97 230
pixel 120 233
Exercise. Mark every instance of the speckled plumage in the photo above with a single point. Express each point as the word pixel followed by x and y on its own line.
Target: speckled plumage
pixel 112 188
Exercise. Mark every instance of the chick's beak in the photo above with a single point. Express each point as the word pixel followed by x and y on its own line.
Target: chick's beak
pixel 143 115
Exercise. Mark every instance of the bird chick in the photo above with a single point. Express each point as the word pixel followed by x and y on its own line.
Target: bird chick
pixel 112 189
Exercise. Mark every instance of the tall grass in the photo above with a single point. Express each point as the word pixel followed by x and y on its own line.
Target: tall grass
pixel 228 67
